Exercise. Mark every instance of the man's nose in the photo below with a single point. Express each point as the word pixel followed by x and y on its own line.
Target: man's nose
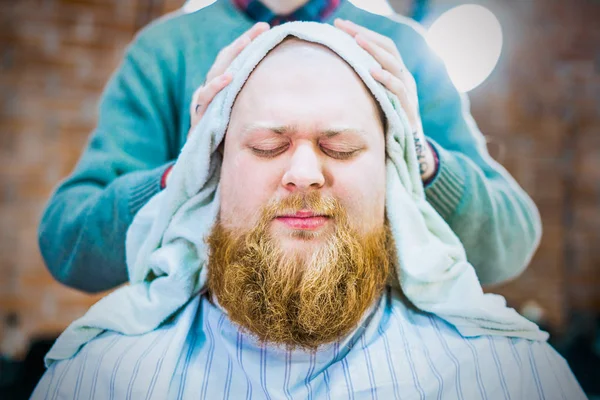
pixel 305 170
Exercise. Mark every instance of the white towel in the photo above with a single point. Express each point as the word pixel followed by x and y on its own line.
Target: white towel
pixel 166 252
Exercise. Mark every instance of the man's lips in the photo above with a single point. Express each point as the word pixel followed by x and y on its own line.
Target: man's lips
pixel 305 220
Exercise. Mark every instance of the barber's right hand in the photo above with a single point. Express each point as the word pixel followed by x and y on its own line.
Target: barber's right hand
pixel 217 78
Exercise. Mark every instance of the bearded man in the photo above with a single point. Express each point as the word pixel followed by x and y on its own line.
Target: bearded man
pixel 300 299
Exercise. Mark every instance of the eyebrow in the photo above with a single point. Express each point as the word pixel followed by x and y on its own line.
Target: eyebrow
pixel 290 129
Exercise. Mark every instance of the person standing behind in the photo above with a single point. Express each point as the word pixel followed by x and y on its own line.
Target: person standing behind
pixel 145 116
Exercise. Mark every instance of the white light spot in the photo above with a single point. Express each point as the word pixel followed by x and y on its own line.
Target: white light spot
pixel 469 40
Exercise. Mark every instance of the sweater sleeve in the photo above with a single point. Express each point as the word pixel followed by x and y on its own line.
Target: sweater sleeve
pixel 82 230
pixel 497 222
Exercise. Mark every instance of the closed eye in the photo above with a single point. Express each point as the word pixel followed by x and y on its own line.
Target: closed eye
pixel 269 153
pixel 340 155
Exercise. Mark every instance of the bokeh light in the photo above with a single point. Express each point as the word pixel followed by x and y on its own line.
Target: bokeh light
pixel 469 40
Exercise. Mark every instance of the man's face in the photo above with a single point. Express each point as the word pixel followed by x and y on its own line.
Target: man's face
pixel 304 122
pixel 300 250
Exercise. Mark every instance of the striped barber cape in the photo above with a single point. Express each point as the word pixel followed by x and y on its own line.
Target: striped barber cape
pixel 396 353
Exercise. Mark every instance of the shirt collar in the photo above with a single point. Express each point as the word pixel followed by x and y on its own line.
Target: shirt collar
pixel 313 10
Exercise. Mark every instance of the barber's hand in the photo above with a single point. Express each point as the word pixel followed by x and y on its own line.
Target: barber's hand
pixel 394 75
pixel 217 78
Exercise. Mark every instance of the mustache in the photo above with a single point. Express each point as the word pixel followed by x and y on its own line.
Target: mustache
pixel 313 203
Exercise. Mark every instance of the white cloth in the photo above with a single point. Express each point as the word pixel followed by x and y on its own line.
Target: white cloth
pixel 166 252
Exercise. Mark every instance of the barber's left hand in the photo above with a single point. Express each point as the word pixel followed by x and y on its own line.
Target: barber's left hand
pixel 394 75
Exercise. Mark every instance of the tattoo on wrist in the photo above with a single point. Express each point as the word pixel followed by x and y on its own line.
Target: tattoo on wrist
pixel 420 154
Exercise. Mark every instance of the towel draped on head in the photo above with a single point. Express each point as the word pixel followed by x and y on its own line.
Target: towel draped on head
pixel 167 254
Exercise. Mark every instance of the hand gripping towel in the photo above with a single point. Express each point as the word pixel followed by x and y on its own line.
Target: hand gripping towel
pixel 166 253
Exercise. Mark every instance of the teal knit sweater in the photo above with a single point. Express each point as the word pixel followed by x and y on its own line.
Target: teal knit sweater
pixel 143 123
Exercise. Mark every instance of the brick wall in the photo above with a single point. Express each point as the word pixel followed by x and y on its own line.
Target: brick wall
pixel 55 57
pixel 539 109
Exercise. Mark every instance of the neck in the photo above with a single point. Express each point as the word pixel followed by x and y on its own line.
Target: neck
pixel 283 7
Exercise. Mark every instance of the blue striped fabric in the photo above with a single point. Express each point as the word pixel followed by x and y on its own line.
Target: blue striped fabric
pixel 396 353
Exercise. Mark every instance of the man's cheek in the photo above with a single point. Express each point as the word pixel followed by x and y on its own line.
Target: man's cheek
pixel 253 188
pixel 351 185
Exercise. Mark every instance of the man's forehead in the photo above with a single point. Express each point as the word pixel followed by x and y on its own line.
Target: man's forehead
pixel 293 50
pixel 290 69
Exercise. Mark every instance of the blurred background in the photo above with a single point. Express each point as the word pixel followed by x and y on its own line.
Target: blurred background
pixel 532 75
